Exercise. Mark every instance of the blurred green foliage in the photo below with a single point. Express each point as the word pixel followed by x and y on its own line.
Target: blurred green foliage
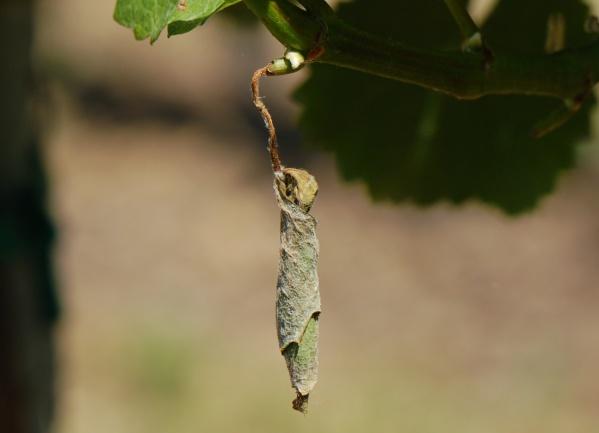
pixel 408 143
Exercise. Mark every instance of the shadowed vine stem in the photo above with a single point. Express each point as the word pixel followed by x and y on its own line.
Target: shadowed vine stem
pixel 460 74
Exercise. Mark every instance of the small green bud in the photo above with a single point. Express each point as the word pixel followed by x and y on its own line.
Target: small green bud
pixel 291 62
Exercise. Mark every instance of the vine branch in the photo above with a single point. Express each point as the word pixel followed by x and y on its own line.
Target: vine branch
pixel 460 74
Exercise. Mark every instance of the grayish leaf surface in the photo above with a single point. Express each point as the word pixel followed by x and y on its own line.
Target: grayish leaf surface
pixel 298 297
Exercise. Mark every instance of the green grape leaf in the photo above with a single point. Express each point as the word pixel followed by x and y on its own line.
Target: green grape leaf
pixel 195 14
pixel 408 143
pixel 148 18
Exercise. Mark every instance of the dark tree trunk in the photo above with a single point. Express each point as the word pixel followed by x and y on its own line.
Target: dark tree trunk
pixel 28 307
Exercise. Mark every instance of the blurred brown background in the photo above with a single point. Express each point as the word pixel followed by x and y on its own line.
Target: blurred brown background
pixel 454 320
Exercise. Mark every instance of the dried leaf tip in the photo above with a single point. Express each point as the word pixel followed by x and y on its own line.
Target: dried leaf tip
pixel 298 186
pixel 301 403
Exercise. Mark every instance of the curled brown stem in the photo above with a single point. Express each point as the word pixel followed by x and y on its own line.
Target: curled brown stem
pixel 273 146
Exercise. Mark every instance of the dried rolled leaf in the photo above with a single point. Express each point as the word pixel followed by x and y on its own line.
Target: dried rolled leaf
pixel 298 297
